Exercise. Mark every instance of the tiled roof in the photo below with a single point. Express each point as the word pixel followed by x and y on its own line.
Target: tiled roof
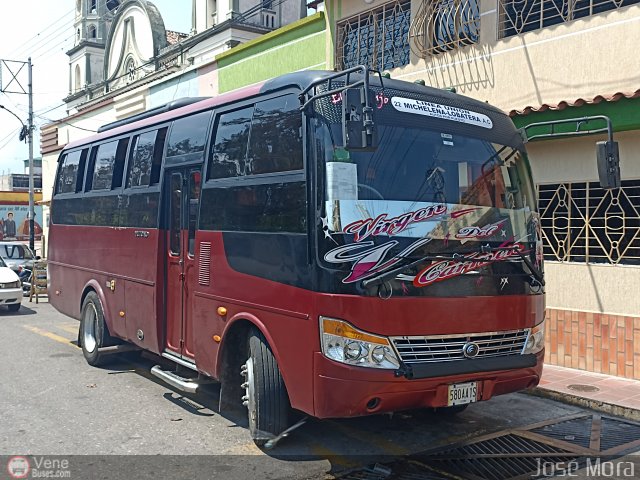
pixel 175 37
pixel 576 103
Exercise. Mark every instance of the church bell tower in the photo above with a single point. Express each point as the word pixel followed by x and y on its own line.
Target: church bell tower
pixel 91 28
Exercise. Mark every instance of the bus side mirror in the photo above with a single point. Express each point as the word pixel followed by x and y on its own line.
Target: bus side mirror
pixel 358 130
pixel 608 164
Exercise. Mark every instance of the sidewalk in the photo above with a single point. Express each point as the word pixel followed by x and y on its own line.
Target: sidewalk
pixel 605 393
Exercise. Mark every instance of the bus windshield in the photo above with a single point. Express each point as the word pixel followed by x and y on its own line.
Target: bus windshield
pixel 423 192
pixel 417 165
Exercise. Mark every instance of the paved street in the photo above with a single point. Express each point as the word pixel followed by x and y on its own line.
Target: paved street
pixel 53 403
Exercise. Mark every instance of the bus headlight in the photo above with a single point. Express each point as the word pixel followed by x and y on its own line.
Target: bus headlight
pixel 535 342
pixel 344 343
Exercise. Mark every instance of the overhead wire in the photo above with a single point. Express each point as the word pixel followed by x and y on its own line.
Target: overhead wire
pixel 26 46
pixel 38 53
pixel 8 138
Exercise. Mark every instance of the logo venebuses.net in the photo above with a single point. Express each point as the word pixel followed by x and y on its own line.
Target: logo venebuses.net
pixel 18 467
pixel 38 467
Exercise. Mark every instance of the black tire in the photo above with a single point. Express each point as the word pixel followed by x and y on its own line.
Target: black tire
pixel 93 331
pixel 266 396
pixel 14 307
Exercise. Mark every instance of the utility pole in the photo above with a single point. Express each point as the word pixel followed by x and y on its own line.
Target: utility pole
pixel 13 67
pixel 31 185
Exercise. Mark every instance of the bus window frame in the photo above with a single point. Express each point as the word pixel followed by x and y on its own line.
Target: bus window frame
pixel 90 170
pixel 259 178
pixel 151 186
pixel 163 220
pixel 79 187
pixel 288 176
pixel 207 140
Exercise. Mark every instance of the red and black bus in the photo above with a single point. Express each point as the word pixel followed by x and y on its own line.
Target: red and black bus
pixel 350 244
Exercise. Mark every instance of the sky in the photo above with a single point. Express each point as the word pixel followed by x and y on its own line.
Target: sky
pixel 43 30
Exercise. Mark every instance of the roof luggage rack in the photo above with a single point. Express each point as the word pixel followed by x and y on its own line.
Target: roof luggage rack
pixel 359 132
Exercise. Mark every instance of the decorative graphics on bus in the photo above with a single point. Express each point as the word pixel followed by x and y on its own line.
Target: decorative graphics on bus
pixel 382 225
pixel 367 219
pixel 446 269
pixel 381 101
pixel 445 112
pixel 474 231
pixel 368 259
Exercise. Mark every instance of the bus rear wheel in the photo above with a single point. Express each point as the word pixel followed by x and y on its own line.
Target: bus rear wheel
pixel 93 331
pixel 265 396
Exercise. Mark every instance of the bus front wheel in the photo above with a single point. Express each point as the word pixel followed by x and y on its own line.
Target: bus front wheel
pixel 93 330
pixel 265 396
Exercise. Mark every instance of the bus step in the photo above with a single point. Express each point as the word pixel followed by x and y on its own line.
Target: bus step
pixel 124 347
pixel 189 385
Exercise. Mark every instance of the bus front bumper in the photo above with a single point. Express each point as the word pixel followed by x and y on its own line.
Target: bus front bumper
pixel 346 391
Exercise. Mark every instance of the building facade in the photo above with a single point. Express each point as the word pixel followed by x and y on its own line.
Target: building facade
pixel 539 60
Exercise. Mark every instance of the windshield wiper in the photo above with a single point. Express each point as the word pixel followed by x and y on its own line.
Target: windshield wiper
pixel 536 273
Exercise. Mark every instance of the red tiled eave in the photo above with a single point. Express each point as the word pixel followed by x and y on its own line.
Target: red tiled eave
pixel 175 37
pixel 576 103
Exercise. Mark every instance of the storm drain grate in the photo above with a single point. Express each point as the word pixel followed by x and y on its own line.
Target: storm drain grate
pixel 401 470
pixel 513 454
pixel 498 458
pixel 576 431
pixel 510 444
pixel 616 433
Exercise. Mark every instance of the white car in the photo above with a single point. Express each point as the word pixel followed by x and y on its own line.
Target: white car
pixel 10 288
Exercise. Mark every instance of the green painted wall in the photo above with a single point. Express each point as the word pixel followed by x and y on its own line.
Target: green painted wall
pixel 624 115
pixel 298 46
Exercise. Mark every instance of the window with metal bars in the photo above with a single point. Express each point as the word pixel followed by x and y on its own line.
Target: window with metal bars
pixel 378 38
pixel 518 17
pixel 443 25
pixel 583 223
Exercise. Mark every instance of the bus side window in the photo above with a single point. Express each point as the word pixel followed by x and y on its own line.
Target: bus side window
pixel 141 159
pixel 71 172
pixel 276 137
pixel 229 151
pixel 188 137
pixel 103 163
pixel 118 168
pixel 108 164
pixel 158 151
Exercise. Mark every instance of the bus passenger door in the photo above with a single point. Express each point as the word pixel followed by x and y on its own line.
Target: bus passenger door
pixel 182 197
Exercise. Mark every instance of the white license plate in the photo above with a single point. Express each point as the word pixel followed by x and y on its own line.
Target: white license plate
pixel 462 393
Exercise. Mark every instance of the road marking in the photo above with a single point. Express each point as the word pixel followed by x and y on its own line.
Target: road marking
pixel 244 449
pixel 69 328
pixel 50 335
pixel 334 458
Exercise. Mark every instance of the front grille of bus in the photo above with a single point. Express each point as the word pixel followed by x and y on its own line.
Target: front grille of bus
pixel 442 348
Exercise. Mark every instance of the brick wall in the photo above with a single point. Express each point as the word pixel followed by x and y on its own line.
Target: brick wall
pixel 593 341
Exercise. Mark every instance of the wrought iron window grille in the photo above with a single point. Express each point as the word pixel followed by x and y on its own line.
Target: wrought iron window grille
pixel 444 25
pixel 377 38
pixel 583 223
pixel 517 16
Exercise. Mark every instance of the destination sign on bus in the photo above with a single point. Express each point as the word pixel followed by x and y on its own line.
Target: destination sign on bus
pixel 445 112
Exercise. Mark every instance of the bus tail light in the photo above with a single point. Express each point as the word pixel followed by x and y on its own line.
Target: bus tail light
pixel 344 343
pixel 535 341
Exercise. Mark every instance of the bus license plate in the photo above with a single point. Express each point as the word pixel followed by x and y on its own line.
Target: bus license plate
pixel 462 393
